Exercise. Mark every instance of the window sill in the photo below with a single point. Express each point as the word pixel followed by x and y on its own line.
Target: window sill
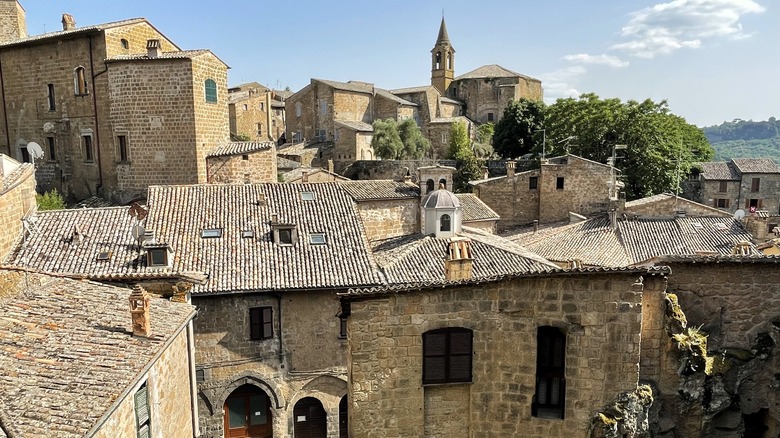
pixel 447 383
pixel 123 163
pixel 81 95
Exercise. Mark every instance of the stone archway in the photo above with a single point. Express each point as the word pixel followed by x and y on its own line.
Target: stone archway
pixel 310 419
pixel 269 387
pixel 247 413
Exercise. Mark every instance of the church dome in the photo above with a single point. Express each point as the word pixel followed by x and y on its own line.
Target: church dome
pixel 442 198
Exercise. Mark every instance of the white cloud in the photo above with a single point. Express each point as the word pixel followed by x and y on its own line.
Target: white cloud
pixel 608 60
pixel 560 83
pixel 666 27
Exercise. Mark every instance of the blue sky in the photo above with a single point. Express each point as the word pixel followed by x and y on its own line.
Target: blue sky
pixel 713 60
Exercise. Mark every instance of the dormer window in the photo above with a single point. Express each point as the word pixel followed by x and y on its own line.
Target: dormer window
pixel 158 255
pixel 210 233
pixel 317 239
pixel 307 196
pixel 285 235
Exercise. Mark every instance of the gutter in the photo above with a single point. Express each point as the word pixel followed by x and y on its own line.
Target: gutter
pixel 193 380
pixel 95 106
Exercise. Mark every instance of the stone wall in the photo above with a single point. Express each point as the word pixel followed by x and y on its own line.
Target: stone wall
pixel 307 360
pixel 136 35
pixel 671 205
pixel 253 117
pixel 389 169
pixel 600 314
pixel 250 168
pixel 16 202
pixel 170 402
pixel 512 198
pixel 12 21
pixel 210 118
pixel 485 96
pixel 386 219
pixel 710 193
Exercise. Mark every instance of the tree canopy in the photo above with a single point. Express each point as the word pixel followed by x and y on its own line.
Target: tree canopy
pixel 394 141
pixel 514 135
pixel 468 165
pixel 50 200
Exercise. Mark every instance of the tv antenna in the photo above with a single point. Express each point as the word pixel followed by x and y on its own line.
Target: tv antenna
pixel 35 150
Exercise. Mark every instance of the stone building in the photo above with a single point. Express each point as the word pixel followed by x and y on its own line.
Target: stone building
pixel 17 200
pixel 548 194
pixel 116 106
pixel 256 112
pixel 247 162
pixel 86 359
pixel 749 184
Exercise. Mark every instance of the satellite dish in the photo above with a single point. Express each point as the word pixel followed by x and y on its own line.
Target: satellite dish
pixel 35 150
pixel 739 214
pixel 138 233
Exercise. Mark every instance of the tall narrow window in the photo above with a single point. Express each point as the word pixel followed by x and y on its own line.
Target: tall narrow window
pixel 445 223
pixel 490 117
pixel 52 148
pixel 125 44
pixel 550 380
pixel 723 186
pixel 559 183
pixel 122 143
pixel 449 61
pixel 429 186
pixel 50 97
pixel 447 355
pixel 755 185
pixel 533 182
pixel 437 64
pixel 89 156
pixel 80 81
pixel 211 91
pixel 142 417
pixel 261 323
pixel 25 154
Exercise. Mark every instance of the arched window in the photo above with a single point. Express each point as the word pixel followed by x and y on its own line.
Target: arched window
pixel 298 108
pixel 445 223
pixel 80 81
pixel 550 366
pixel 125 44
pixel 437 64
pixel 429 186
pixel 447 355
pixel 449 61
pixel 211 90
pixel 443 183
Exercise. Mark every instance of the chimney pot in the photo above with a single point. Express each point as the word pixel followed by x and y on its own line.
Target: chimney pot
pixel 510 169
pixel 458 264
pixel 330 165
pixel 139 312
pixel 153 48
pixel 68 22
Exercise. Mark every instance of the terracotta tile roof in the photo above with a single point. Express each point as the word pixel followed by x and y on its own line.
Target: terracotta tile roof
pixel 71 241
pixel 411 90
pixel 474 209
pixel 94 202
pixel 491 71
pixel 355 126
pixel 67 33
pixel 418 259
pixel 678 203
pixel 15 176
pixel 234 264
pixel 180 54
pixel 388 95
pixel 373 190
pixel 755 165
pixel 594 242
pixel 719 170
pixel 239 148
pixel 67 354
pixel 297 174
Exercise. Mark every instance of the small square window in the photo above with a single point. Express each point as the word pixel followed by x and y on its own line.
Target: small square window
pixel 307 196
pixel 200 376
pixel 317 239
pixel 722 203
pixel 211 233
pixel 285 236
pixel 245 157
pixel 158 257
pixel 247 234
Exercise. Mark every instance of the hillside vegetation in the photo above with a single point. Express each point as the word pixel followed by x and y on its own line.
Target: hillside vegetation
pixel 745 139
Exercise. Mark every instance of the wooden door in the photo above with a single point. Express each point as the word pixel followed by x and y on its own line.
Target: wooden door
pixel 310 419
pixel 248 414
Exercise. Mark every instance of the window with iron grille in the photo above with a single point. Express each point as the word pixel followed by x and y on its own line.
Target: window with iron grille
pixel 447 355
pixel 261 323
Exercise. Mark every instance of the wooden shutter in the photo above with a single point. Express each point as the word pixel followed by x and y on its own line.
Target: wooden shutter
pixel 459 366
pixel 255 323
pixel 268 322
pixel 434 360
pixel 142 412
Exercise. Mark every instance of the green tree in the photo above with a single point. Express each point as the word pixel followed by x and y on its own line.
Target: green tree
pixel 50 200
pixel 468 165
pixel 660 146
pixel 514 133
pixel 415 146
pixel 386 140
pixel 483 148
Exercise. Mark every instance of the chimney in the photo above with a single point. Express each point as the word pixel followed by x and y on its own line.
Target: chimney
pixel 485 173
pixel 407 176
pixel 330 165
pixel 458 264
pixel 139 312
pixel 68 22
pixel 153 48
pixel 510 169
pixel 536 225
pixel 613 218
pixel 305 175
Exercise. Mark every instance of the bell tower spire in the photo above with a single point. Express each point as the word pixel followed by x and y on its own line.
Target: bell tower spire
pixel 442 60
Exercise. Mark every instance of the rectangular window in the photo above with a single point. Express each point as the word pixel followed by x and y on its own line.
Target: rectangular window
pixel 211 233
pixel 50 145
pixel 550 380
pixel 261 323
pixel 210 90
pixel 447 355
pixel 343 327
pixel 307 196
pixel 88 152
pixel 259 129
pixel 490 117
pixel 533 182
pixel 317 238
pixel 445 137
pixel 559 183
pixel 246 107
pixel 262 106
pixel 158 257
pixel 80 81
pixel 722 203
pixel 25 154
pixel 755 185
pixel 285 236
pixel 142 418
pixel 50 97
pixel 723 187
pixel 122 143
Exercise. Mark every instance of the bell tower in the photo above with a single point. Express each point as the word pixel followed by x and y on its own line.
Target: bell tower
pixel 442 60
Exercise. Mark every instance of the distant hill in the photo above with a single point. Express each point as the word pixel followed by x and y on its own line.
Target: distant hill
pixel 745 139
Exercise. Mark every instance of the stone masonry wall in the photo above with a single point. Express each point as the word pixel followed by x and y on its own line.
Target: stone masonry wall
pixel 257 167
pixel 585 189
pixel 386 219
pixel 511 198
pixel 12 21
pixel 600 314
pixel 136 35
pixel 306 361
pixel 16 202
pixel 710 193
pixel 170 403
pixel 669 207
pixel 212 126
pixel 251 116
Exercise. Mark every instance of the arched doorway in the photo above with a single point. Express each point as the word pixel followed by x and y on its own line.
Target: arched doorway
pixel 343 418
pixel 247 413
pixel 310 419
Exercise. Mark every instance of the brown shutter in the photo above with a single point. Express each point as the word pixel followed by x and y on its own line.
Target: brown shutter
pixel 268 322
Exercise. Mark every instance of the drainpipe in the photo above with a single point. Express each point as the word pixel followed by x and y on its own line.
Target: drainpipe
pixel 5 110
pixel 193 380
pixel 281 342
pixel 97 126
